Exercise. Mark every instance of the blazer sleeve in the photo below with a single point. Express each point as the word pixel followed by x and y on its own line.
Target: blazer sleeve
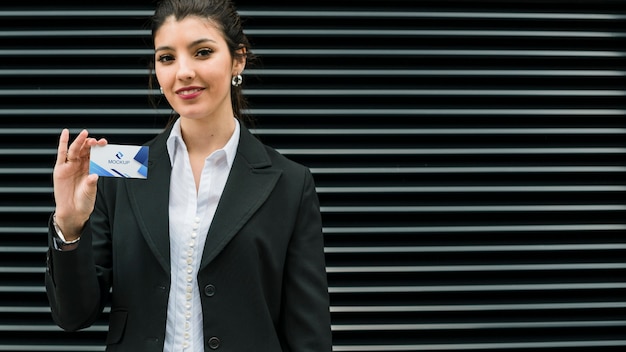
pixel 78 281
pixel 305 317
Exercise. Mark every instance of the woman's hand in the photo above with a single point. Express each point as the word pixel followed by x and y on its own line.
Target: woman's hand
pixel 74 188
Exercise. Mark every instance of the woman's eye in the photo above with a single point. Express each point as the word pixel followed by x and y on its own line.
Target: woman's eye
pixel 204 52
pixel 165 58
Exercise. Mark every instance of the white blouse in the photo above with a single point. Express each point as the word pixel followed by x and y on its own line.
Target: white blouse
pixel 190 216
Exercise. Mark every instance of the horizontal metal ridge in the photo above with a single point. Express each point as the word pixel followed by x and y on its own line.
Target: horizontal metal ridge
pixel 439 14
pixel 23 190
pixel 85 92
pixel 432 33
pixel 438 52
pixel 538 113
pixel 476 307
pixel 413 269
pixel 423 92
pixel 23 249
pixel 75 52
pixel 328 33
pixel 411 229
pixel 333 72
pixel 336 52
pixel 450 151
pixel 473 229
pixel 51 347
pixel 418 289
pixel 467 169
pixel 475 325
pixel 479 248
pixel 408 209
pixel 334 14
pixel 414 308
pixel 407 189
pixel 451 208
pixel 114 130
pixel 467 268
pixel 22 270
pixel 344 131
pixel 23 229
pixel 73 72
pixel 337 92
pixel 22 289
pixel 435 72
pixel 471 189
pixel 585 247
pixel 79 32
pixel 55 112
pixel 398 151
pixel 36 309
pixel 498 346
pixel 395 131
pixel 24 309
pixel 76 13
pixel 26 209
pixel 50 327
pixel 29 151
pixel 477 288
pixel 530 113
pixel 25 170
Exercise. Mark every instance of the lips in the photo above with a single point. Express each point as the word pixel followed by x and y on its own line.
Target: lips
pixel 189 92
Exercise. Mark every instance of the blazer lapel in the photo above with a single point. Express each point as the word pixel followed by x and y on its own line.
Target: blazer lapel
pixel 250 182
pixel 150 201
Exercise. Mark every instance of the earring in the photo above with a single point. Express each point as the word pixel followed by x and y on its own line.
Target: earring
pixel 236 81
pixel 161 89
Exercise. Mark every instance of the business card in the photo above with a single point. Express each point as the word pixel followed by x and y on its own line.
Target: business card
pixel 117 160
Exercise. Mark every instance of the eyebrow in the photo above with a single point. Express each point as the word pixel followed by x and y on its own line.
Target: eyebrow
pixel 191 45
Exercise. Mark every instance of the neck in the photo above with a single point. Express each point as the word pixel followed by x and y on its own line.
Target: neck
pixel 203 137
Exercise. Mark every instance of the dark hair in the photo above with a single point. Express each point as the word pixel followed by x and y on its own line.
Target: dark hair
pixel 224 15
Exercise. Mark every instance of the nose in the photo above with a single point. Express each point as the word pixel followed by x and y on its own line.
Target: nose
pixel 185 70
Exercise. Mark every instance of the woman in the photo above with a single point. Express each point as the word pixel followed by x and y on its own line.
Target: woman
pixel 221 247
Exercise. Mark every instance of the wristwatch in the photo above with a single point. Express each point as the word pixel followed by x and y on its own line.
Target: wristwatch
pixel 60 242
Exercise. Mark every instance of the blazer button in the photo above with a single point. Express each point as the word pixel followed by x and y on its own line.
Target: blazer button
pixel 214 343
pixel 209 290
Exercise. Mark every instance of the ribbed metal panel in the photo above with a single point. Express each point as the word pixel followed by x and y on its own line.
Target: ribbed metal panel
pixel 469 157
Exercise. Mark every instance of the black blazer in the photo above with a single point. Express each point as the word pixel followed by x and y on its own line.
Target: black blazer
pixel 262 276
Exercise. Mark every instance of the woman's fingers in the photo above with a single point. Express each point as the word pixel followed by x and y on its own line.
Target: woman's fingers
pixel 62 148
pixel 76 150
pixel 79 149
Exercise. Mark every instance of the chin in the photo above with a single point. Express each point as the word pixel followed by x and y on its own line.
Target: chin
pixel 192 114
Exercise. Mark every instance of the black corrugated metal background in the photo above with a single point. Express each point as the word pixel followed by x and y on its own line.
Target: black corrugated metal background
pixel 469 157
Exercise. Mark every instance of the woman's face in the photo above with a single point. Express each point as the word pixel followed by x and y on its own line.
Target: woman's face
pixel 194 68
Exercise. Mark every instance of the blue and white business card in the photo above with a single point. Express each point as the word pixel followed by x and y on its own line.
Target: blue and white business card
pixel 117 160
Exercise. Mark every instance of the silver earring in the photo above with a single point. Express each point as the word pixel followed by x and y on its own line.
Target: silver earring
pixel 236 81
pixel 161 89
